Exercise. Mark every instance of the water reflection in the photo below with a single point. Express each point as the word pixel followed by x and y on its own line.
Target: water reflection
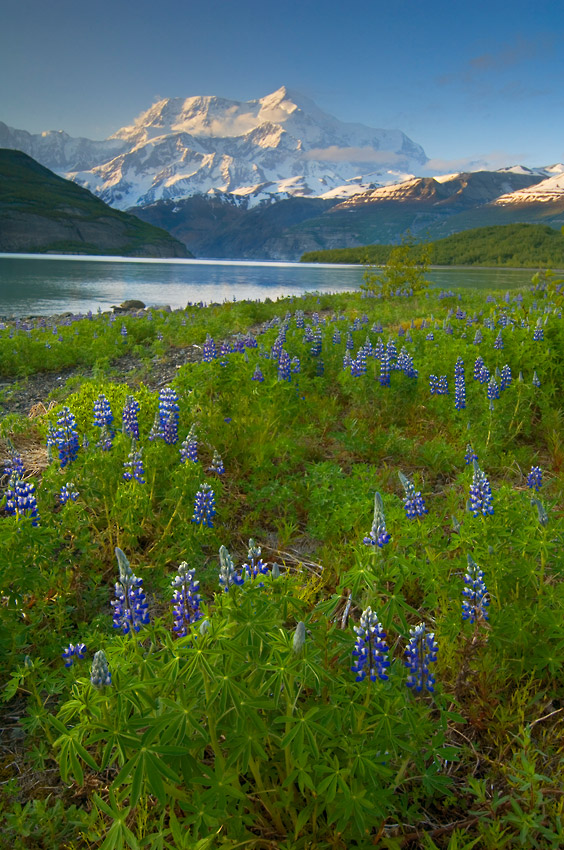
pixel 46 285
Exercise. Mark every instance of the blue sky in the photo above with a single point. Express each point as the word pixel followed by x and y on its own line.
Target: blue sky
pixel 478 84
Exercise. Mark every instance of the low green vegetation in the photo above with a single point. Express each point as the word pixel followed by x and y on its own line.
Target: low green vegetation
pixel 510 245
pixel 310 595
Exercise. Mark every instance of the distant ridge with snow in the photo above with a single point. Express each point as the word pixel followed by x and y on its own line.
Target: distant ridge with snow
pixel 277 146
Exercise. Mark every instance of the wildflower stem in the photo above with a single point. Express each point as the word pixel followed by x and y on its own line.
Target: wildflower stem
pixel 262 792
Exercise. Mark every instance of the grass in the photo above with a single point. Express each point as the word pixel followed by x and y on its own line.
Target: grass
pixel 252 730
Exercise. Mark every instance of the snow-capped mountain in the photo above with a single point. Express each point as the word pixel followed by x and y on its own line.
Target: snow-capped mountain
pixel 278 146
pixel 551 189
pixel 57 150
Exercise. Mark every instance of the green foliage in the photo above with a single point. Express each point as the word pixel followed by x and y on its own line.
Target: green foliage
pixel 404 272
pixel 230 736
pixel 510 245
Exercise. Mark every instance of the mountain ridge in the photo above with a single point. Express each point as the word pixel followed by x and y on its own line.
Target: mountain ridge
pixel 275 146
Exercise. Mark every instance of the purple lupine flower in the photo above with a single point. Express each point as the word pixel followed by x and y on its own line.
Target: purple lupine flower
pixel 315 349
pixel 228 575
pixel 100 675
pixel 209 349
pixel 538 334
pixel 420 652
pixel 186 600
pixel 130 424
pixel 257 375
pixel 478 367
pixel 284 366
pixel 506 377
pixel 204 506
pixel 103 416
pixel 470 455
pixel 189 448
pixel 536 381
pixel 68 491
pixel 370 649
pixel 347 360
pixel 392 352
pixel 133 466
pixel 123 332
pixel 480 501
pixel 385 370
pixel 475 594
pixel 433 384
pixel 168 415
pixel 336 337
pixel 534 478
pixel 413 502
pixel 14 465
pixel 65 437
pixel 358 366
pixel 484 375
pixel 493 389
pixel 478 337
pixel 442 385
pixel 217 464
pixel 430 336
pixel 254 565
pixel 349 344
pixel 106 439
pixel 299 317
pixel 459 392
pixel 71 652
pixel 295 365
pixel 20 500
pixel 498 344
pixel 130 605
pixel 378 535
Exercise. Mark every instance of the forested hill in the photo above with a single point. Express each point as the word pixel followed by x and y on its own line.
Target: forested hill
pixel 41 212
pixel 510 245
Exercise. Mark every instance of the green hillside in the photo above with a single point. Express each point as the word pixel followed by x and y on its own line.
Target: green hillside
pixel 509 245
pixel 41 212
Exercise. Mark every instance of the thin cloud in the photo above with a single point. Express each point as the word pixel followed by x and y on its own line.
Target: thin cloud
pixel 479 162
pixel 334 153
pixel 479 72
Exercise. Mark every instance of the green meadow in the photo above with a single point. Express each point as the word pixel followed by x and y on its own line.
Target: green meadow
pixel 323 609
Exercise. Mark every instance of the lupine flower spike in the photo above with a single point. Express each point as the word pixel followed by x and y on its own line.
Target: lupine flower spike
pixel 370 649
pixel 133 466
pixel 480 501
pixel 204 506
pixel 186 600
pixel 130 604
pixel 129 417
pixel 378 535
pixel 254 566
pixel 475 594
pixel 470 454
pixel 65 437
pixel 68 491
pixel 217 464
pixel 20 500
pixel 228 575
pixel 534 478
pixel 70 653
pixel 413 503
pixel 189 448
pixel 420 652
pixel 100 675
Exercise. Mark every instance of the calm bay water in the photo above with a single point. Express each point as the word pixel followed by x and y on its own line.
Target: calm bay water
pixel 39 285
